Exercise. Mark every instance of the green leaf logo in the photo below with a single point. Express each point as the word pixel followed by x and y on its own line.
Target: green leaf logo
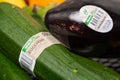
pixel 85 12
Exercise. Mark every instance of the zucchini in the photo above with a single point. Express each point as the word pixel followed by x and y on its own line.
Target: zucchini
pixel 16 26
pixel 9 71
pixel 55 62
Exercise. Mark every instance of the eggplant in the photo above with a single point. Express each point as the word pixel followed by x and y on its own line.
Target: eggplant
pixel 68 22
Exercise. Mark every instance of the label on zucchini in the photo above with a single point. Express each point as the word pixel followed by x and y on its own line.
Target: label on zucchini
pixel 33 48
pixel 96 18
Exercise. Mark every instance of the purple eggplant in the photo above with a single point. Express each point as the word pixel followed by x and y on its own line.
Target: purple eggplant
pixel 81 23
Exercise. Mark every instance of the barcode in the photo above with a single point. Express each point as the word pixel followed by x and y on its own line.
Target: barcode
pixel 26 62
pixel 99 15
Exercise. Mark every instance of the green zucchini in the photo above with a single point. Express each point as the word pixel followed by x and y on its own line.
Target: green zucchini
pixel 9 71
pixel 56 62
pixel 17 27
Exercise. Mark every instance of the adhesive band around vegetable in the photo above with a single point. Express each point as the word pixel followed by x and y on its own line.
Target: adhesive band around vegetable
pixel 33 48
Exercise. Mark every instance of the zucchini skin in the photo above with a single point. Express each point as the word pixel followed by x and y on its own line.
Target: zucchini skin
pixel 55 62
pixel 10 71
pixel 65 65
pixel 58 23
pixel 16 27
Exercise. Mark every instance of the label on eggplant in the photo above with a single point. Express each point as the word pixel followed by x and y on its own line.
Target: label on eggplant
pixel 33 48
pixel 96 18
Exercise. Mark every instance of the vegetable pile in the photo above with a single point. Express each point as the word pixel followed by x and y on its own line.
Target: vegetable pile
pixel 55 62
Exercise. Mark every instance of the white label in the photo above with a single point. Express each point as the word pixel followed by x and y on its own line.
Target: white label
pixel 33 48
pixel 94 17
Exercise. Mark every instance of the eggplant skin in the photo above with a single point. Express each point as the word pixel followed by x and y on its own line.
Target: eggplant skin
pixel 59 24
